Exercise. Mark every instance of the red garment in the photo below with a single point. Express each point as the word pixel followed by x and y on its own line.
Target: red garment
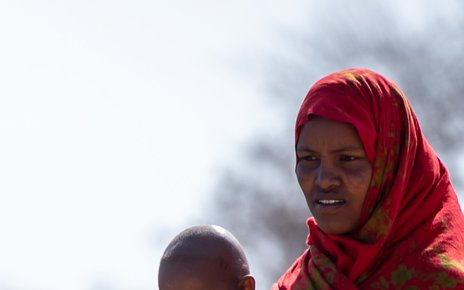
pixel 412 227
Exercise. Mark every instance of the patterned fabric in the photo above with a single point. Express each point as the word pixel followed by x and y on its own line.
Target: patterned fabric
pixel 412 233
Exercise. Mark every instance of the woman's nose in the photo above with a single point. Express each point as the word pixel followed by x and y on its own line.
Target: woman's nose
pixel 327 177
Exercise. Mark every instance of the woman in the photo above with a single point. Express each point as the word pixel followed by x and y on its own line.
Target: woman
pixel 385 215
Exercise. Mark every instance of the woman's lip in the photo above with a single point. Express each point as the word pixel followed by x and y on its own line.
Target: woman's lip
pixel 329 206
pixel 327 201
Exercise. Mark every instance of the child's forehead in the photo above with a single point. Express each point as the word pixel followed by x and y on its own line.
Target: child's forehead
pixel 196 274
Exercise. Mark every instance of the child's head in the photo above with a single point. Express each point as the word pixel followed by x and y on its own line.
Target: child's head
pixel 204 258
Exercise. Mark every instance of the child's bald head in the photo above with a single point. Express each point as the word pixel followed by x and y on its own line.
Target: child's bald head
pixel 204 257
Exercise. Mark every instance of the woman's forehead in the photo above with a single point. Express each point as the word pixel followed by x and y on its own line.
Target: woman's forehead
pixel 323 132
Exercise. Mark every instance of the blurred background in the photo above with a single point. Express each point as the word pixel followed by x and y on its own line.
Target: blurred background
pixel 123 122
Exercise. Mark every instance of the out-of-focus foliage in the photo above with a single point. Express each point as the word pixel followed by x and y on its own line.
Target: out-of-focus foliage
pixel 417 44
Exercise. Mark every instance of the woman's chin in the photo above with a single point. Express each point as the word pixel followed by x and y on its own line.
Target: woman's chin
pixel 334 229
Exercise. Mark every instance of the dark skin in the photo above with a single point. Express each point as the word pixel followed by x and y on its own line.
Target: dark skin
pixel 334 173
pixel 204 258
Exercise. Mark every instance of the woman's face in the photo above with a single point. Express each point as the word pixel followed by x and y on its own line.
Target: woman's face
pixel 333 172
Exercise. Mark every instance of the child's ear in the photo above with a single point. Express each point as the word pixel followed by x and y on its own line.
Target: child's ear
pixel 247 283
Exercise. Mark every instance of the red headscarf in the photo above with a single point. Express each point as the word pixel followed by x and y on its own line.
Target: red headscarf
pixel 412 228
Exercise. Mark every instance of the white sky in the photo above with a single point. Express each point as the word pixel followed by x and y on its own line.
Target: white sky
pixel 113 116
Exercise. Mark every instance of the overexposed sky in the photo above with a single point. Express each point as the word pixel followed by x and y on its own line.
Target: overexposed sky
pixel 113 117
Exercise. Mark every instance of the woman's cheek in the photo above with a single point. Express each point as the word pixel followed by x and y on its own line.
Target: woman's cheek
pixel 303 172
pixel 359 177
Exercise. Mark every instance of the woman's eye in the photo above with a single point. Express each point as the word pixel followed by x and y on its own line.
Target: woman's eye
pixel 347 158
pixel 308 158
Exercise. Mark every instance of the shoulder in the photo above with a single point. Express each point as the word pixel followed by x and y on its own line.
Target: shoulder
pixel 293 274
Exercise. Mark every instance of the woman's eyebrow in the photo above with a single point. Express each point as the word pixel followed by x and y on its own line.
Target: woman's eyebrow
pixel 303 148
pixel 348 148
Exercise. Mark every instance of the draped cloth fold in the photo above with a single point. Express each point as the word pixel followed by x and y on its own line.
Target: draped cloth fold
pixel 412 227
